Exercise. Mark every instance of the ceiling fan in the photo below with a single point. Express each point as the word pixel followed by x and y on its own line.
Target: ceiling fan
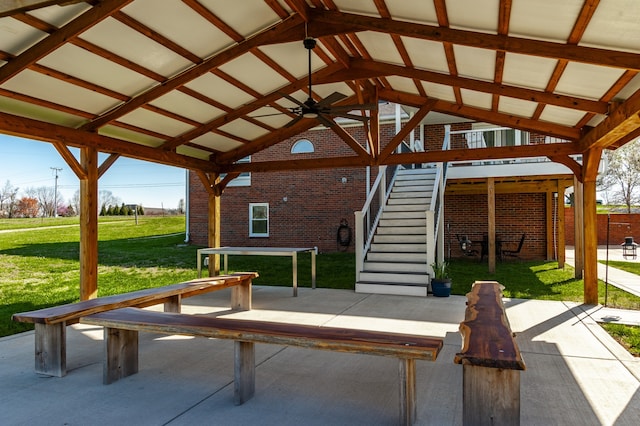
pixel 323 108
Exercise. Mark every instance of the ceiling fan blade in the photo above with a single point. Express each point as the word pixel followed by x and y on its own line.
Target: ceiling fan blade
pixel 362 118
pixel 353 107
pixel 334 97
pixel 294 121
pixel 267 115
pixel 325 121
pixel 292 99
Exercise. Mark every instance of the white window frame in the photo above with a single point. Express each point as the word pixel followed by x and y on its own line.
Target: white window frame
pixel 303 146
pixel 251 220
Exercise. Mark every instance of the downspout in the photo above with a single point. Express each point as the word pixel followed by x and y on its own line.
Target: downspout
pixel 186 208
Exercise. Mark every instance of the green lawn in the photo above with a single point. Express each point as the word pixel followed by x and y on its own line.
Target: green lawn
pixel 39 267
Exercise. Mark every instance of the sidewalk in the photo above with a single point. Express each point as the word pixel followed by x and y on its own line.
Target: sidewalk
pixel 621 279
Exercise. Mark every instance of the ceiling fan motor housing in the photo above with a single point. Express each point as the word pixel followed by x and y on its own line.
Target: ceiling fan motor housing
pixel 309 43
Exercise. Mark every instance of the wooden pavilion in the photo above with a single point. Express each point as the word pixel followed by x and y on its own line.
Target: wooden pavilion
pixel 201 84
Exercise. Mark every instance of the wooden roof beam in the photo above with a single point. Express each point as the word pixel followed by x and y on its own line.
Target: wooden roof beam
pixel 48 132
pixel 546 49
pixel 478 114
pixel 88 19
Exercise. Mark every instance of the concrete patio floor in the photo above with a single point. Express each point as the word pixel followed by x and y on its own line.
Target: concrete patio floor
pixel 576 373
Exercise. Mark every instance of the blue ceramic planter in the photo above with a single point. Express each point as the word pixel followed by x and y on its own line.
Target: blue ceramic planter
pixel 441 288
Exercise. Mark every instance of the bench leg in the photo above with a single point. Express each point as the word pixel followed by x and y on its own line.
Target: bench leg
pixel 174 304
pixel 51 353
pixel 244 384
pixel 491 396
pixel 120 354
pixel 241 296
pixel 407 391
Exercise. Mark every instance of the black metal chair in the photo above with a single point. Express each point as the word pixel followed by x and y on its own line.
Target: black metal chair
pixel 516 252
pixel 466 245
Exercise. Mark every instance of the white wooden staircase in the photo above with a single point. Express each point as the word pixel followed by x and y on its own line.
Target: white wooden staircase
pixel 396 262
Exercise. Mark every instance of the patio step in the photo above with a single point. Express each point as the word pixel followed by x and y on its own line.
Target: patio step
pixel 399 248
pixel 401 227
pixel 423 201
pixel 393 215
pixel 400 238
pixel 418 192
pixel 396 257
pixel 397 267
pixel 395 278
pixel 392 289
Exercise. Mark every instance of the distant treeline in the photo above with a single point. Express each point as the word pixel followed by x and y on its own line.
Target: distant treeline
pixel 122 210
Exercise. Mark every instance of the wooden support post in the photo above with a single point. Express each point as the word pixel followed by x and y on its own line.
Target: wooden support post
pixel 51 353
pixel 121 354
pixel 578 217
pixel 491 396
pixel 491 225
pixel 549 224
pixel 214 227
pixel 590 244
pixel 89 224
pixel 244 385
pixel 408 404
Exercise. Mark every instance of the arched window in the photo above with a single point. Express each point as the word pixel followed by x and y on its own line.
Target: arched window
pixel 303 146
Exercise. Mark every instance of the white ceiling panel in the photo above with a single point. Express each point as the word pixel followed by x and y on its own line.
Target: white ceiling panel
pixel 16 36
pixel 550 20
pixel 60 15
pixel 48 115
pixel 439 91
pixel 565 116
pixel 403 84
pixel 243 129
pixel 632 87
pixel 170 19
pixel 517 106
pixel 479 15
pixel 124 41
pixel 589 81
pixel 367 7
pixel 236 17
pixel 624 34
pixel 527 71
pixel 214 87
pixel 476 99
pixel 187 106
pixel 427 55
pixel 380 47
pixel 159 123
pixel 293 57
pixel 403 10
pixel 95 69
pixel 130 136
pixel 193 152
pixel 60 92
pixel 475 63
pixel 217 142
pixel 246 67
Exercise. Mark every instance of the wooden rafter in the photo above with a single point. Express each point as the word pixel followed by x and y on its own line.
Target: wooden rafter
pixel 406 129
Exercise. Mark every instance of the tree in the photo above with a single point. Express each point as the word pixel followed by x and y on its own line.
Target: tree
pixel 623 174
pixel 27 207
pixel 107 198
pixel 46 199
pixel 8 200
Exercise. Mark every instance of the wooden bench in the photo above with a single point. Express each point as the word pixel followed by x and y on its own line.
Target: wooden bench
pixel 50 323
pixel 121 345
pixel 490 359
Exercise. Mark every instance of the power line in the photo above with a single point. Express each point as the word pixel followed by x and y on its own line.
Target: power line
pixel 55 191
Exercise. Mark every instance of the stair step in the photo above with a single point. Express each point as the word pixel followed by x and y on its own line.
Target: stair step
pixel 418 200
pixel 413 182
pixel 395 267
pixel 399 248
pixel 391 215
pixel 406 208
pixel 400 239
pixel 382 256
pixel 391 289
pixel 395 278
pixel 397 227
pixel 412 189
pixel 410 194
pixel 414 172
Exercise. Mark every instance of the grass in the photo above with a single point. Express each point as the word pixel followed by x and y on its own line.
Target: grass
pixel 628 336
pixel 40 267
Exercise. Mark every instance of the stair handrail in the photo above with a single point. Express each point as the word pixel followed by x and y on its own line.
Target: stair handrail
pixel 435 234
pixel 366 219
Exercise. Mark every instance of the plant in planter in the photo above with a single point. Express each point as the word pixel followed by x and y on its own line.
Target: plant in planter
pixel 441 282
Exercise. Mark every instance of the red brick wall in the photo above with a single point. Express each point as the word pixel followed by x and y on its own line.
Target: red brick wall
pixel 316 200
pixel 621 225
pixel 515 215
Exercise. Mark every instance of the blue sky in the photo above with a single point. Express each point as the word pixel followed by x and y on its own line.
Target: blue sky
pixel 26 163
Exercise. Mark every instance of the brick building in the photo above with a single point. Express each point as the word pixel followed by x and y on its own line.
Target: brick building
pixel 306 208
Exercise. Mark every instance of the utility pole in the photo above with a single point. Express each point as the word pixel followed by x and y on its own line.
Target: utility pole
pixel 55 191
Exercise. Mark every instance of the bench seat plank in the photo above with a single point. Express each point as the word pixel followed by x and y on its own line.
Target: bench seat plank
pixel 487 337
pixel 141 298
pixel 316 337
